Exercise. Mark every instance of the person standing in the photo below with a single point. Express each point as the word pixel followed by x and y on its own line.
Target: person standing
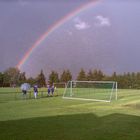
pixel 25 87
pixel 49 89
pixel 52 89
pixel 35 91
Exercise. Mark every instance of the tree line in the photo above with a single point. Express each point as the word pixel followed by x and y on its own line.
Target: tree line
pixel 14 77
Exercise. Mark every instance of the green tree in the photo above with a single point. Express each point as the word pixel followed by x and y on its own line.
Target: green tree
pixel 134 80
pixel 90 76
pixel 82 75
pixel 22 78
pixel 114 76
pixel 11 76
pixel 1 79
pixel 53 77
pixel 66 76
pixel 32 81
pixel 100 75
pixel 63 77
pixel 97 75
pixel 138 80
pixel 41 80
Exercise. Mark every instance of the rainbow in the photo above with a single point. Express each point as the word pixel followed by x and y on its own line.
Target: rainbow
pixel 53 28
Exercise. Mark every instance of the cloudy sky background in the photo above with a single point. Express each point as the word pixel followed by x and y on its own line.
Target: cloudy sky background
pixel 105 36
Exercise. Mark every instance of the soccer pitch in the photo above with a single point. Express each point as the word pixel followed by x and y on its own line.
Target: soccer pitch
pixel 54 118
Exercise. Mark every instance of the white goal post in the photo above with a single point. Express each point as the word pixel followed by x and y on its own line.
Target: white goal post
pixel 59 88
pixel 105 91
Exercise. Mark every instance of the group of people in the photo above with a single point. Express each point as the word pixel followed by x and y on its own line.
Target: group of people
pixel 50 90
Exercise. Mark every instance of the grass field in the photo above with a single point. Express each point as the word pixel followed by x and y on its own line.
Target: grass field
pixel 53 118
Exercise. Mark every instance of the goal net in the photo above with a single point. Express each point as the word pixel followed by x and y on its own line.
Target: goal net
pixel 91 90
pixel 59 88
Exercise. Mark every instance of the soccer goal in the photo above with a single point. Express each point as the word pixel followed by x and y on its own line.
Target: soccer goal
pixel 59 88
pixel 91 90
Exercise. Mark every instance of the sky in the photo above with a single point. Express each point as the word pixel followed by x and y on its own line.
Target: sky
pixel 103 36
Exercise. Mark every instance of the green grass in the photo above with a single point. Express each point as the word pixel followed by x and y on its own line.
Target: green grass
pixel 53 118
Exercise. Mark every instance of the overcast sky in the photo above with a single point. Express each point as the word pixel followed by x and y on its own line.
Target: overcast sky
pixel 110 30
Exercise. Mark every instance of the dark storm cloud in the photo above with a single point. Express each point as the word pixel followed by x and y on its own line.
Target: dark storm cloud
pixel 22 22
pixel 46 0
